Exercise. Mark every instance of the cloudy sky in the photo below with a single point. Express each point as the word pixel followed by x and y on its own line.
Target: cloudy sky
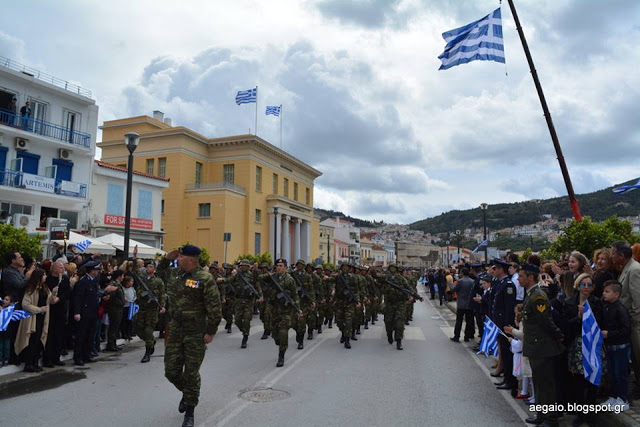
pixel 363 100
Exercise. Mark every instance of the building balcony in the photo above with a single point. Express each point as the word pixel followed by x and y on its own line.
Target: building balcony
pixel 40 127
pixel 206 186
pixel 42 184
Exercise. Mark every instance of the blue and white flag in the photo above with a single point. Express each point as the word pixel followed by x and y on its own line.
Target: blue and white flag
pixel 19 315
pixel 489 342
pixel 82 246
pixel 133 309
pixel 247 96
pixel 591 346
pixel 273 110
pixel 479 41
pixel 5 317
pixel 482 245
pixel 626 188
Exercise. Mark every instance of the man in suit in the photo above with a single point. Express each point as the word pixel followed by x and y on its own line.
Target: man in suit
pixel 630 297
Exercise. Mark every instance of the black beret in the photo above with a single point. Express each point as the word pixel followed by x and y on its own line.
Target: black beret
pixel 531 268
pixel 190 250
pixel 281 261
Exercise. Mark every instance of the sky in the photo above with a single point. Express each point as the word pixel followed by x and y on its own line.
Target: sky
pixel 362 98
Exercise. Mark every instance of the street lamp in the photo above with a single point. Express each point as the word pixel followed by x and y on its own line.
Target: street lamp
pixel 275 234
pixel 328 250
pixel 131 140
pixel 448 259
pixel 458 232
pixel 484 207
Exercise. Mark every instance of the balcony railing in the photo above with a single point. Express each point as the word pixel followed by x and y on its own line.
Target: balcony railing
pixel 216 186
pixel 16 66
pixel 43 184
pixel 43 128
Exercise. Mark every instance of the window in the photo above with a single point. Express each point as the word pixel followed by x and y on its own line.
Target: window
pixel 204 210
pixel 307 196
pixel 150 166
pixel 162 167
pixel 256 249
pixel 115 199
pixel 198 173
pixel 71 217
pixel 258 215
pixel 14 208
pixel 145 204
pixel 321 247
pixel 285 188
pixel 71 121
pixel 295 191
pixel 258 178
pixel 229 174
pixel 162 206
pixel 275 183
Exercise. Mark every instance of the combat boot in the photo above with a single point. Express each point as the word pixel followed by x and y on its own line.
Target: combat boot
pixel 188 417
pixel 347 344
pixel 366 324
pixel 146 357
pixel 265 335
pixel 181 406
pixel 300 340
pixel 358 330
pixel 228 327
pixel 326 321
pixel 280 363
pixel 153 349
pixel 330 323
pixel 320 328
pixel 310 334
pixel 406 322
pixel 373 320
pixel 390 337
pixel 244 341
pixel 399 344
pixel 342 338
pixel 353 336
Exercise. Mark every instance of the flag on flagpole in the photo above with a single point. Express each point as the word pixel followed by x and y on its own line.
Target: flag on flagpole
pixel 626 188
pixel 273 110
pixel 133 309
pixel 478 41
pixel 247 96
pixel 482 245
pixel 82 246
pixel 5 317
pixel 591 346
pixel 489 342
pixel 19 315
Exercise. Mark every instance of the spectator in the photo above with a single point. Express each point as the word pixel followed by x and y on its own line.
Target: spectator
pixel 14 278
pixel 57 315
pixel 33 331
pixel 635 250
pixel 578 263
pixel 604 270
pixel 25 115
pixel 5 340
pixel 463 289
pixel 129 298
pixel 13 109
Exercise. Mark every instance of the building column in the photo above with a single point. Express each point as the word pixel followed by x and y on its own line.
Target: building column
pixel 272 234
pixel 277 233
pixel 286 240
pixel 296 239
pixel 305 241
pixel 308 250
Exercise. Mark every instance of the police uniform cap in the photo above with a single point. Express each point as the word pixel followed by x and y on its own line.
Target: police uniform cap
pixel 531 268
pixel 485 278
pixel 190 250
pixel 91 265
pixel 476 265
pixel 301 261
pixel 497 262
pixel 281 261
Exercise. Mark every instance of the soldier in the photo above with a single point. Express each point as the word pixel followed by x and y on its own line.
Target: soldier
pixel 195 312
pixel 307 303
pixel 247 291
pixel 114 309
pixel 229 300
pixel 321 293
pixel 396 303
pixel 347 300
pixel 151 297
pixel 358 320
pixel 504 302
pixel 265 309
pixel 329 283
pixel 284 301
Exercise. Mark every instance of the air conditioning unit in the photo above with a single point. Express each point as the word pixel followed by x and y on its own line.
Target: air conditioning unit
pixel 22 144
pixel 27 222
pixel 64 154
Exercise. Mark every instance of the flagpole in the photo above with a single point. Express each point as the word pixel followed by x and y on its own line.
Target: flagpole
pixel 256 128
pixel 575 208
pixel 281 126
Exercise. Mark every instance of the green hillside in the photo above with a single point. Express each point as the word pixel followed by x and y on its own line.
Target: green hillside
pixel 328 213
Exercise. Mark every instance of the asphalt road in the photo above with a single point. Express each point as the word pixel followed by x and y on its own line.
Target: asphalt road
pixel 432 382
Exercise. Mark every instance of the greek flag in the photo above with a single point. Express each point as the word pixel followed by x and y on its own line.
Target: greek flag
pixel 82 246
pixel 19 315
pixel 626 188
pixel 5 317
pixel 482 245
pixel 489 342
pixel 591 346
pixel 273 110
pixel 133 309
pixel 479 41
pixel 247 96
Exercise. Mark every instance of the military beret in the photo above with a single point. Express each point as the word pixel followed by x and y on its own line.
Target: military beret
pixel 281 261
pixel 91 265
pixel 301 261
pixel 531 268
pixel 190 250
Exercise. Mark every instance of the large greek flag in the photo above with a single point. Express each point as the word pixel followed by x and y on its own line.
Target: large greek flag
pixel 591 346
pixel 479 41
pixel 273 110
pixel 626 188
pixel 483 244
pixel 489 342
pixel 247 96
pixel 5 317
pixel 82 246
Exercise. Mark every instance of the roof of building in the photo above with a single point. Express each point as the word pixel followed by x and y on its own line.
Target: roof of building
pixel 121 169
pixel 368 235
pixel 340 242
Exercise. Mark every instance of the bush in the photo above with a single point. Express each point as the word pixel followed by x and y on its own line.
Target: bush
pixel 14 239
pixel 256 259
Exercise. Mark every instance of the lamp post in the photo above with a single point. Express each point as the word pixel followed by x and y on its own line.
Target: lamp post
pixel 448 261
pixel 275 234
pixel 328 250
pixel 484 207
pixel 131 140
pixel 458 233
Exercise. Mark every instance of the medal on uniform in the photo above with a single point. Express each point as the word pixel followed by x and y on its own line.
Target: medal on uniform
pixel 194 284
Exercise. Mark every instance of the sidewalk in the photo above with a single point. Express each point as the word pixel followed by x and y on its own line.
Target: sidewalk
pixel 625 419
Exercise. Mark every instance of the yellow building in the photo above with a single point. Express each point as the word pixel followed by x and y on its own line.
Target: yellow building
pixel 239 184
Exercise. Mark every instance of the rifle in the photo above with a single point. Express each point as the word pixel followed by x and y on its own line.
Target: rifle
pixel 228 285
pixel 248 285
pixel 348 291
pixel 147 292
pixel 282 294
pixel 301 288
pixel 406 291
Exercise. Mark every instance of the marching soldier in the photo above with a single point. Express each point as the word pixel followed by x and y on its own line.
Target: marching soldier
pixel 307 303
pixel 372 292
pixel 229 300
pixel 356 270
pixel 247 292
pixel 329 283
pixel 195 315
pixel 321 294
pixel 151 298
pixel 347 300
pixel 396 303
pixel 265 309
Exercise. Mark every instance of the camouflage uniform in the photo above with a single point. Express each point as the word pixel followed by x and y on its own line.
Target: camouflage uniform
pixel 307 305
pixel 244 300
pixel 345 307
pixel 195 310
pixel 321 299
pixel 114 308
pixel 362 289
pixel 280 310
pixel 230 299
pixel 395 310
pixel 265 309
pixel 330 305
pixel 372 295
pixel 147 317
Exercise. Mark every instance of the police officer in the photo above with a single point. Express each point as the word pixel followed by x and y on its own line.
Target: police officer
pixel 504 302
pixel 85 312
pixel 195 312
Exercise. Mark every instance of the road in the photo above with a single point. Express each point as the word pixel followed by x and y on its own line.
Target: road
pixel 432 382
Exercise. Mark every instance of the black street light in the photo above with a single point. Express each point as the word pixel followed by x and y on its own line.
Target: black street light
pixel 275 234
pixel 328 250
pixel 458 233
pixel 448 259
pixel 484 207
pixel 131 140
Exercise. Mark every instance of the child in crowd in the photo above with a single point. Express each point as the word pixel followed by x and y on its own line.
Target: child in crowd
pixel 5 339
pixel 129 297
pixel 616 330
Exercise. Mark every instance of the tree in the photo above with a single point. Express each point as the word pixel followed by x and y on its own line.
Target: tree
pixel 205 258
pixel 256 259
pixel 14 239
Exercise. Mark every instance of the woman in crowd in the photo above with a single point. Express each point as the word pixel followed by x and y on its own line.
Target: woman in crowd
pixel 604 270
pixel 578 264
pixel 33 331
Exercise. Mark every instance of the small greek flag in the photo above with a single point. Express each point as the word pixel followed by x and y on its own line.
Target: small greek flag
pixel 479 41
pixel 489 342
pixel 273 110
pixel 247 96
pixel 19 315
pixel 82 246
pixel 626 188
pixel 482 245
pixel 591 346
pixel 133 309
pixel 5 316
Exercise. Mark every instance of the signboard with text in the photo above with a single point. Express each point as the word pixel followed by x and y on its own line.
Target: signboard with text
pixel 117 220
pixel 38 183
